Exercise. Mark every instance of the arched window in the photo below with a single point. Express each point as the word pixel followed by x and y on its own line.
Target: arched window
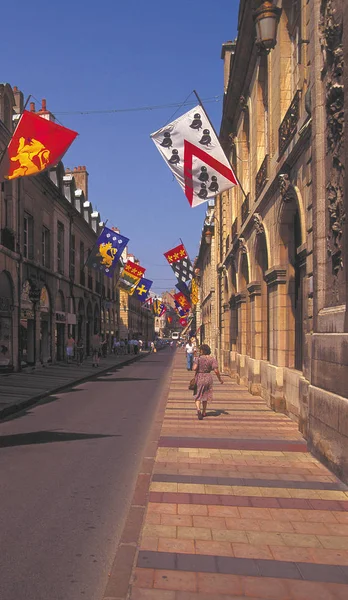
pixel 261 268
pixel 291 237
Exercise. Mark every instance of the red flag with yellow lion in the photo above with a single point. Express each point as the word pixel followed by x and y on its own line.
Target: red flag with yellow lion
pixel 36 145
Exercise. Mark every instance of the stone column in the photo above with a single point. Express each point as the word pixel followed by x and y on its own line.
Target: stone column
pixel 240 300
pixel 254 289
pixel 276 279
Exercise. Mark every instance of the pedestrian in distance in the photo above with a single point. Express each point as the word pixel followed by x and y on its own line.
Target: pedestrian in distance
pixel 203 367
pixel 96 349
pixel 80 351
pixel 189 350
pixel 70 348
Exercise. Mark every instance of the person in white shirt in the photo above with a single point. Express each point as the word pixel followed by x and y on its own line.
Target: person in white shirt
pixel 189 349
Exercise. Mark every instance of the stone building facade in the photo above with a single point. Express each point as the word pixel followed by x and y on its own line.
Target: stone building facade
pixel 281 250
pixel 48 226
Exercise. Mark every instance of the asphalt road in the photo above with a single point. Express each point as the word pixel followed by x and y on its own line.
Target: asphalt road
pixel 67 471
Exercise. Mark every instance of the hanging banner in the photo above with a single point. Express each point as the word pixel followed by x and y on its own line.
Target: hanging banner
pixel 142 289
pixel 181 311
pixel 107 251
pixel 192 151
pixel 194 292
pixel 130 277
pixel 36 145
pixel 180 263
pixel 182 301
pixel 159 308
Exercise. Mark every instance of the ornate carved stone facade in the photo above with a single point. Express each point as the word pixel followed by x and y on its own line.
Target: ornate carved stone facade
pixel 331 37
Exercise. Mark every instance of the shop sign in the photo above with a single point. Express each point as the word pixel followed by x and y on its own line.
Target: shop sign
pixel 44 301
pixel 71 319
pixel 60 317
pixel 27 313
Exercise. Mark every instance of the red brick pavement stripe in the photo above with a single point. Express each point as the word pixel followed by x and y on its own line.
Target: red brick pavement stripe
pixel 233 444
pixel 252 501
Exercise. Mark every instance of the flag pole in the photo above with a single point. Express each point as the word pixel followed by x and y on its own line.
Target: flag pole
pixel 20 116
pixel 213 128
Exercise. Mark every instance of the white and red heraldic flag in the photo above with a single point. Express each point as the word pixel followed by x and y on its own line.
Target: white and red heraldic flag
pixel 190 147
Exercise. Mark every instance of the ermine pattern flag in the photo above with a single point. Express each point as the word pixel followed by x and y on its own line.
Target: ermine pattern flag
pixel 180 263
pixel 192 151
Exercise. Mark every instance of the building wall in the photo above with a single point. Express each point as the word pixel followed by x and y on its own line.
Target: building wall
pixel 281 252
pixel 52 292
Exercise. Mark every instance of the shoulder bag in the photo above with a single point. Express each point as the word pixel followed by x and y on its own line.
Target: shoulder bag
pixel 193 382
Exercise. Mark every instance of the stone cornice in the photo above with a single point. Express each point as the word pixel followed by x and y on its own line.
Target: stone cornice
pixel 254 288
pixel 240 298
pixel 276 275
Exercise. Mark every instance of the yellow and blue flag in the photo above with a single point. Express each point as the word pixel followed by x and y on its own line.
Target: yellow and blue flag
pixel 107 251
pixel 142 290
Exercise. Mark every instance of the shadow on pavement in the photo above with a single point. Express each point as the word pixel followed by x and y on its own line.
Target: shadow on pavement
pixel 46 437
pixel 217 413
pixel 126 379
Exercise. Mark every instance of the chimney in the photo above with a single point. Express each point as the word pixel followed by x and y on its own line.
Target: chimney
pixel 227 54
pixel 32 106
pixel 44 113
pixel 81 179
pixel 19 100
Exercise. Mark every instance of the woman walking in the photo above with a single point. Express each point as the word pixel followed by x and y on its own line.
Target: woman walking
pixel 203 367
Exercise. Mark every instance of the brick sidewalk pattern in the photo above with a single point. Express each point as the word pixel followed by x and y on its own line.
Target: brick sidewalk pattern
pixel 238 508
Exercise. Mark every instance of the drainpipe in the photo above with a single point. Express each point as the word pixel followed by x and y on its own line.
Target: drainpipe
pixel 19 276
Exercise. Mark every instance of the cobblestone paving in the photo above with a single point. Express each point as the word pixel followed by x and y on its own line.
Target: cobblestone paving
pixel 238 507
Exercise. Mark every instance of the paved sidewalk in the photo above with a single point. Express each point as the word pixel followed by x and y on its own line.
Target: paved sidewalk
pixel 21 390
pixel 238 507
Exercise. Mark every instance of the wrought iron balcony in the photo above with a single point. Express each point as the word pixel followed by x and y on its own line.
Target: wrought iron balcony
pixel 234 229
pixel 288 126
pixel 262 176
pixel 245 208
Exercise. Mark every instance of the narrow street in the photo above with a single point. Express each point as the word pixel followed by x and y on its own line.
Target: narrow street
pixel 68 468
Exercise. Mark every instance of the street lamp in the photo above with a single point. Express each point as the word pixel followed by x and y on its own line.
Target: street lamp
pixel 207 236
pixel 209 227
pixel 266 19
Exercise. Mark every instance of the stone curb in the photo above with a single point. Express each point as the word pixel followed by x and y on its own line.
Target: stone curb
pixel 11 410
pixel 120 579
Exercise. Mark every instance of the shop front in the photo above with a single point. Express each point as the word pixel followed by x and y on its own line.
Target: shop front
pixel 89 328
pixel 60 326
pixel 6 323
pixel 81 320
pixel 27 329
pixel 45 326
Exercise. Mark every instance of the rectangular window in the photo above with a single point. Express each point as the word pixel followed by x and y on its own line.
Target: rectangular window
pixel 72 257
pixel 60 247
pixel 28 237
pixel 82 263
pixel 45 247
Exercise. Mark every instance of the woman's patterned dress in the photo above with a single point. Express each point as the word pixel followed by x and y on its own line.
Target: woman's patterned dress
pixel 204 378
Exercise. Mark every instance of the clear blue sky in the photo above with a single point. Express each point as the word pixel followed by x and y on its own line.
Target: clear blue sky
pixel 84 55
